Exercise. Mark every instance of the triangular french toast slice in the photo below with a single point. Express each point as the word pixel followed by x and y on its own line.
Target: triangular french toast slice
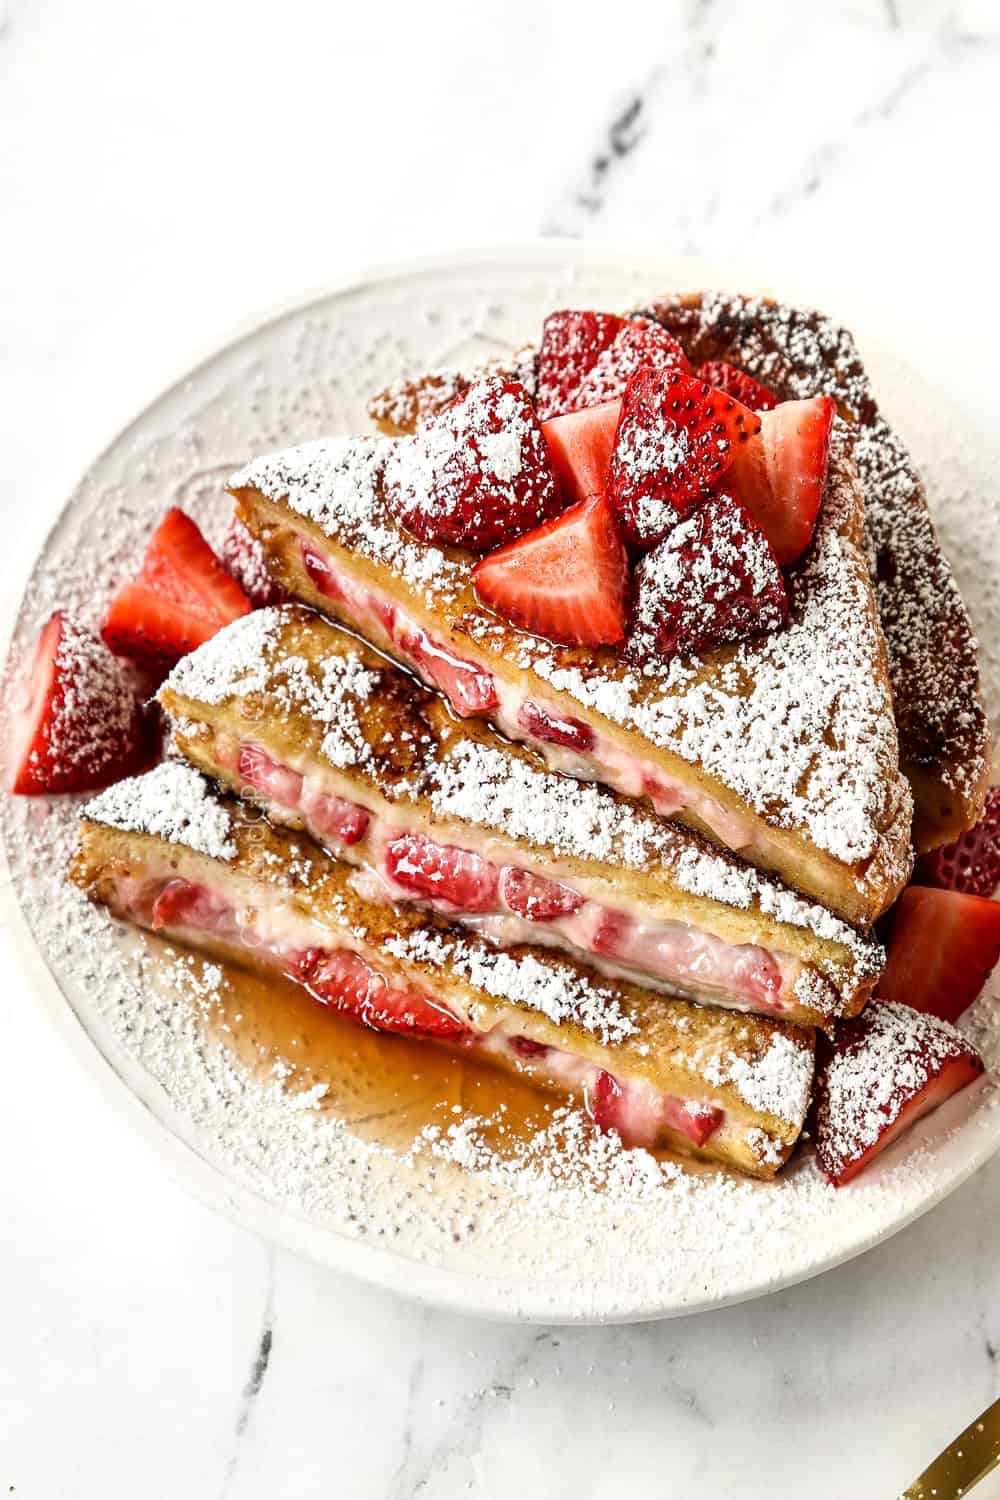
pixel 326 735
pixel 944 735
pixel 164 852
pixel 782 748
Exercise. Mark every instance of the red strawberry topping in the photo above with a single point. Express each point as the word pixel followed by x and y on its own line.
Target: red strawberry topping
pixel 885 1070
pixel 553 729
pixel 639 344
pixel 712 581
pixel 478 473
pixel 779 476
pixel 243 555
pixel 639 1113
pixel 74 723
pixel 972 863
pixel 580 446
pixel 736 383
pixel 942 949
pixel 571 344
pixel 535 898
pixel 676 438
pixel 567 580
pixel 457 876
pixel 183 597
pixel 345 980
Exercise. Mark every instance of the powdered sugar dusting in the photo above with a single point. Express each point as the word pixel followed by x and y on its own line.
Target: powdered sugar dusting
pixel 172 802
pixel 233 661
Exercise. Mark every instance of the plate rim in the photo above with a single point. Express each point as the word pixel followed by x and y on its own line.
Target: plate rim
pixel 451 1289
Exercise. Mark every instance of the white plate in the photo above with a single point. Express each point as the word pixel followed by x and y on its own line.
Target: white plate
pixel 502 1243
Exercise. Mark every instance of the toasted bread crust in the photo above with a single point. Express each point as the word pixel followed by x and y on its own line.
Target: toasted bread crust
pixel 683 1049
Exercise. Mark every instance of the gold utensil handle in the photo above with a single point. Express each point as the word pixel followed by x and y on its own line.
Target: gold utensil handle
pixel 973 1454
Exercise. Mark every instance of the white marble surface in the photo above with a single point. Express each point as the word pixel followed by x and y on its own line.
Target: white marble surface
pixel 168 169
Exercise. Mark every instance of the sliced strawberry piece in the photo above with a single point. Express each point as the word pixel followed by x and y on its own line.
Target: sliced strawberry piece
pixel 885 1070
pixel 345 980
pixel 277 782
pixel 779 477
pixel 476 475
pixel 182 598
pixel 527 1047
pixel 676 437
pixel 580 446
pixel 336 817
pixel 712 581
pixel 612 934
pixel 639 1113
pixel 182 903
pixel 535 898
pixel 554 729
pixel 243 555
pixel 640 344
pixel 571 344
pixel 567 580
pixel 942 949
pixel 470 690
pixel 457 876
pixel 972 863
pixel 736 383
pixel 74 722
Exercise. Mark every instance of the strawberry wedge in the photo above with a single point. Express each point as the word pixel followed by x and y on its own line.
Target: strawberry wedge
pixel 566 580
pixel 972 863
pixel 580 447
pixel 182 597
pixel 779 476
pixel 886 1070
pixel 74 721
pixel 943 948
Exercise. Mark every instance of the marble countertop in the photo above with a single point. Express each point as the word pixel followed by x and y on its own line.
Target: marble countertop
pixel 170 169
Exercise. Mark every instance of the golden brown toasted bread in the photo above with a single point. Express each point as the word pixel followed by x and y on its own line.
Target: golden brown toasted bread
pixel 326 735
pixel 164 851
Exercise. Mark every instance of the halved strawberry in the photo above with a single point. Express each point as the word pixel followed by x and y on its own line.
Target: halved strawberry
pixel 639 344
pixel 676 438
pixel 183 597
pixel 567 580
pixel 779 477
pixel 736 383
pixel 477 474
pixel 972 863
pixel 942 949
pixel 74 721
pixel 345 980
pixel 884 1071
pixel 571 343
pixel 712 581
pixel 580 446
pixel 243 555
pixel 458 876
pixel 535 898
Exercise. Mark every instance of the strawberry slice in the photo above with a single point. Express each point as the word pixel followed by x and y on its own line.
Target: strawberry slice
pixel 779 477
pixel 942 949
pixel 639 1113
pixel 183 597
pixel 74 721
pixel 477 474
pixel 712 581
pixel 243 556
pixel 736 383
pixel 567 580
pixel 571 344
pixel 278 783
pixel 677 436
pixel 183 903
pixel 457 876
pixel 886 1069
pixel 345 980
pixel 972 863
pixel 553 729
pixel 580 447
pixel 535 898
pixel 639 344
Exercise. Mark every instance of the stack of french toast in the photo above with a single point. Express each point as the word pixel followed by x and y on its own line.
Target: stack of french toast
pixel 588 717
